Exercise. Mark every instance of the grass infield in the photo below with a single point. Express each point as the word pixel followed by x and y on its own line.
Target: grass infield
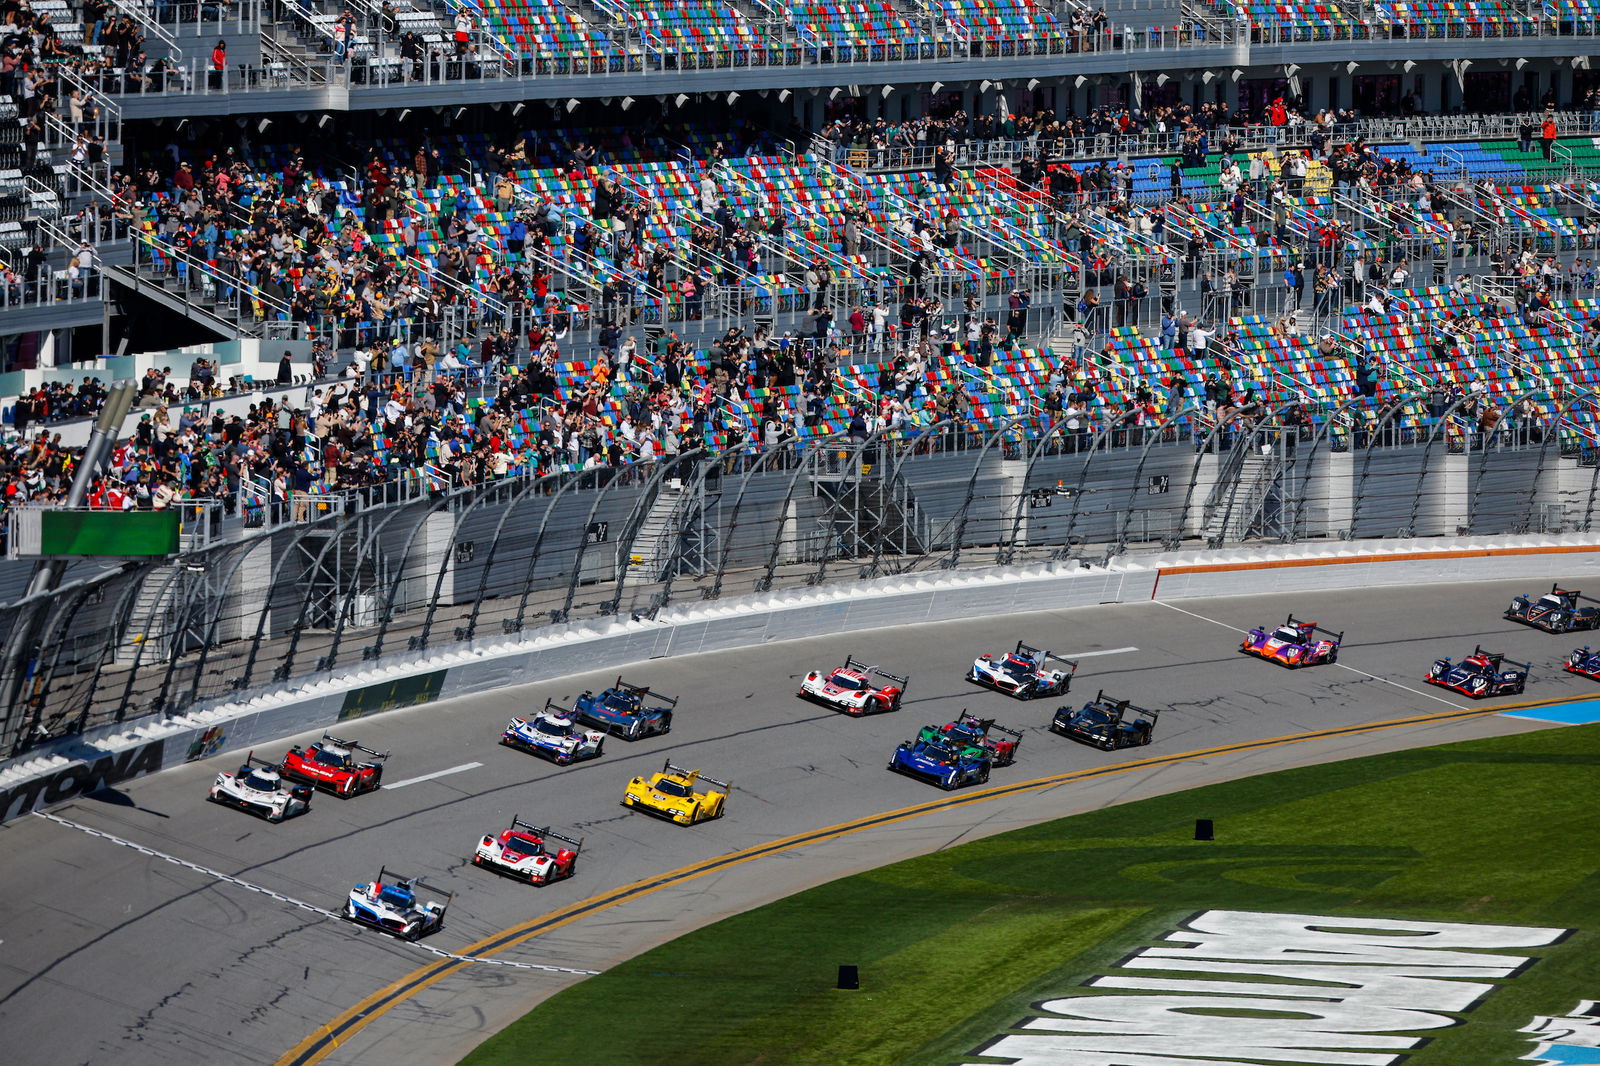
pixel 953 947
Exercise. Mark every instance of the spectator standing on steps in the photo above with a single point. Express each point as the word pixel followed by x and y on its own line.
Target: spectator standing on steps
pixel 1547 135
pixel 286 369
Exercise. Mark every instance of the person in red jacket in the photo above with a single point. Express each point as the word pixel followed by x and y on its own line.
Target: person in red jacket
pixel 1547 135
pixel 219 65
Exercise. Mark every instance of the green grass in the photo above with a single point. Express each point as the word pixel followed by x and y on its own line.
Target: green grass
pixel 954 946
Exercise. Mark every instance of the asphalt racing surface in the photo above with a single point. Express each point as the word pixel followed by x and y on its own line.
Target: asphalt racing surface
pixel 110 954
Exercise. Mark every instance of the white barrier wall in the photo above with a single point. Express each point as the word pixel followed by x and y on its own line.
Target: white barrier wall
pixel 74 766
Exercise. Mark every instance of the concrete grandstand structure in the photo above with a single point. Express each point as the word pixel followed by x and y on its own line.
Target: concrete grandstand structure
pixel 1303 270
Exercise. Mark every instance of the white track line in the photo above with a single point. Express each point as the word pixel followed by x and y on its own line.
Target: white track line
pixel 1092 654
pixel 291 901
pixel 1353 670
pixel 436 774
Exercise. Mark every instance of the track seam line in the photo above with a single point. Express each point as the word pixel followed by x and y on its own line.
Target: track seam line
pixel 291 901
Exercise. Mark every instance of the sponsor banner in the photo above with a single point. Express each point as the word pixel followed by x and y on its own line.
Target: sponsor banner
pixel 82 777
pixel 1236 987
pixel 401 692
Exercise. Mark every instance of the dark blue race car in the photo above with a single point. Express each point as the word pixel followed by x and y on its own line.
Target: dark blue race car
pixel 1584 661
pixel 627 711
pixel 1559 611
pixel 942 763
pixel 1107 724
pixel 1483 673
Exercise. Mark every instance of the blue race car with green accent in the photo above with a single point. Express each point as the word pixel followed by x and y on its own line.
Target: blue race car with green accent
pixel 628 711
pixel 940 762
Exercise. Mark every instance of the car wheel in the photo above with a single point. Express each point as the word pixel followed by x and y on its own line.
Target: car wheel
pixel 949 783
pixel 666 724
pixel 275 816
pixel 1333 656
pixel 983 775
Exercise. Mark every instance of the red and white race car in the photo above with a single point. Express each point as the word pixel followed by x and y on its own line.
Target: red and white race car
pixel 522 851
pixel 331 765
pixel 855 688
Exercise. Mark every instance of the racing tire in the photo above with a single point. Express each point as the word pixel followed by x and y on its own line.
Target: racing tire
pixel 599 748
pixel 276 816
pixel 346 793
pixel 1333 656
pixel 666 725
pixel 348 911
pixel 377 780
pixel 949 784
pixel 874 706
pixel 983 776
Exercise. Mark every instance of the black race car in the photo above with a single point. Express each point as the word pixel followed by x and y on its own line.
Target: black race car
pixel 1559 611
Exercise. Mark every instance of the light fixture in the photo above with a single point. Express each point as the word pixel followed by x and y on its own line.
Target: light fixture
pixel 1351 67
pixel 459 112
pixel 1207 76
pixel 261 127
pixel 1080 81
pixel 885 91
pixel 404 111
pixel 681 99
pixel 985 86
pixel 783 94
pixel 627 102
pixel 1291 70
pixel 1237 74
pixel 1521 63
pixel 1162 79
pixel 1410 65
pixel 833 93
pixel 517 110
pixel 733 98
pixel 572 105
pixel 936 87
pixel 1033 83
pixel 323 121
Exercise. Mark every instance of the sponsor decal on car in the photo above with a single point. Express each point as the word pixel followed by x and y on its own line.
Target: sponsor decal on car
pixel 1284 988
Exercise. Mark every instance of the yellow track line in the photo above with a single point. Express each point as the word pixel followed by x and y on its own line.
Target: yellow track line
pixel 323 1041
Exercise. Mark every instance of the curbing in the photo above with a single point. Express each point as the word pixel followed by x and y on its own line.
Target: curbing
pixel 74 766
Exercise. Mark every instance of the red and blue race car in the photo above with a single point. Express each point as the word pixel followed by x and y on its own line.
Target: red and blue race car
pixel 1585 662
pixel 1293 644
pixel 1483 673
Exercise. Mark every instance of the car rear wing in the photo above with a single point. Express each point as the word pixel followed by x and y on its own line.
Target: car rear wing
pixel 696 775
pixel 1557 590
pixel 414 883
pixel 548 833
pixel 852 663
pixel 1499 661
pixel 1044 657
pixel 1125 708
pixel 1014 734
pixel 643 691
pixel 1330 634
pixel 251 760
pixel 353 746
pixel 551 706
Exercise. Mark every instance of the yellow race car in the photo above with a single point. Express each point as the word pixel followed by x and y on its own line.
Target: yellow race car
pixel 671 794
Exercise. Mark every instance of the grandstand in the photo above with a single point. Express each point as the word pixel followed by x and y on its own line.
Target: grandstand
pixel 383 254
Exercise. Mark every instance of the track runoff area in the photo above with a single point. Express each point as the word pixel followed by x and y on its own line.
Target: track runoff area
pixel 199 932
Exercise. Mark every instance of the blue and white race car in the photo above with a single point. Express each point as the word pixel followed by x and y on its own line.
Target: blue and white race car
pixel 1107 724
pixel 1584 661
pixel 941 762
pixel 1483 673
pixel 628 711
pixel 390 903
pixel 1024 673
pixel 553 734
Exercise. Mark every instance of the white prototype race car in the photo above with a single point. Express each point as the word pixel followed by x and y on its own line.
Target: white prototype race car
pixel 523 851
pixel 856 688
pixel 553 734
pixel 258 787
pixel 390 903
pixel 1024 673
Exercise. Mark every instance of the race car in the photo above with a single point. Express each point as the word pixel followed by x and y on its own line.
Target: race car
pixel 1558 611
pixel 1293 644
pixel 522 851
pixel 1483 673
pixel 1024 673
pixel 622 710
pixel 390 903
pixel 855 688
pixel 258 788
pixel 942 762
pixel 672 794
pixel 553 734
pixel 1107 724
pixel 996 742
pixel 1585 662
pixel 331 765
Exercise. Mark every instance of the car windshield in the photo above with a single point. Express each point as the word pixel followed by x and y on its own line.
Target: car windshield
pixel 853 682
pixel 396 896
pixel 668 787
pixel 1018 667
pixel 1096 714
pixel 556 727
pixel 525 844
pixel 261 782
pixel 1287 633
pixel 938 753
pixel 1552 600
pixel 332 758
pixel 621 702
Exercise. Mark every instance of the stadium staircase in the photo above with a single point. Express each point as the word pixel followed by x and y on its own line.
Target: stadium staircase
pixel 657 540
